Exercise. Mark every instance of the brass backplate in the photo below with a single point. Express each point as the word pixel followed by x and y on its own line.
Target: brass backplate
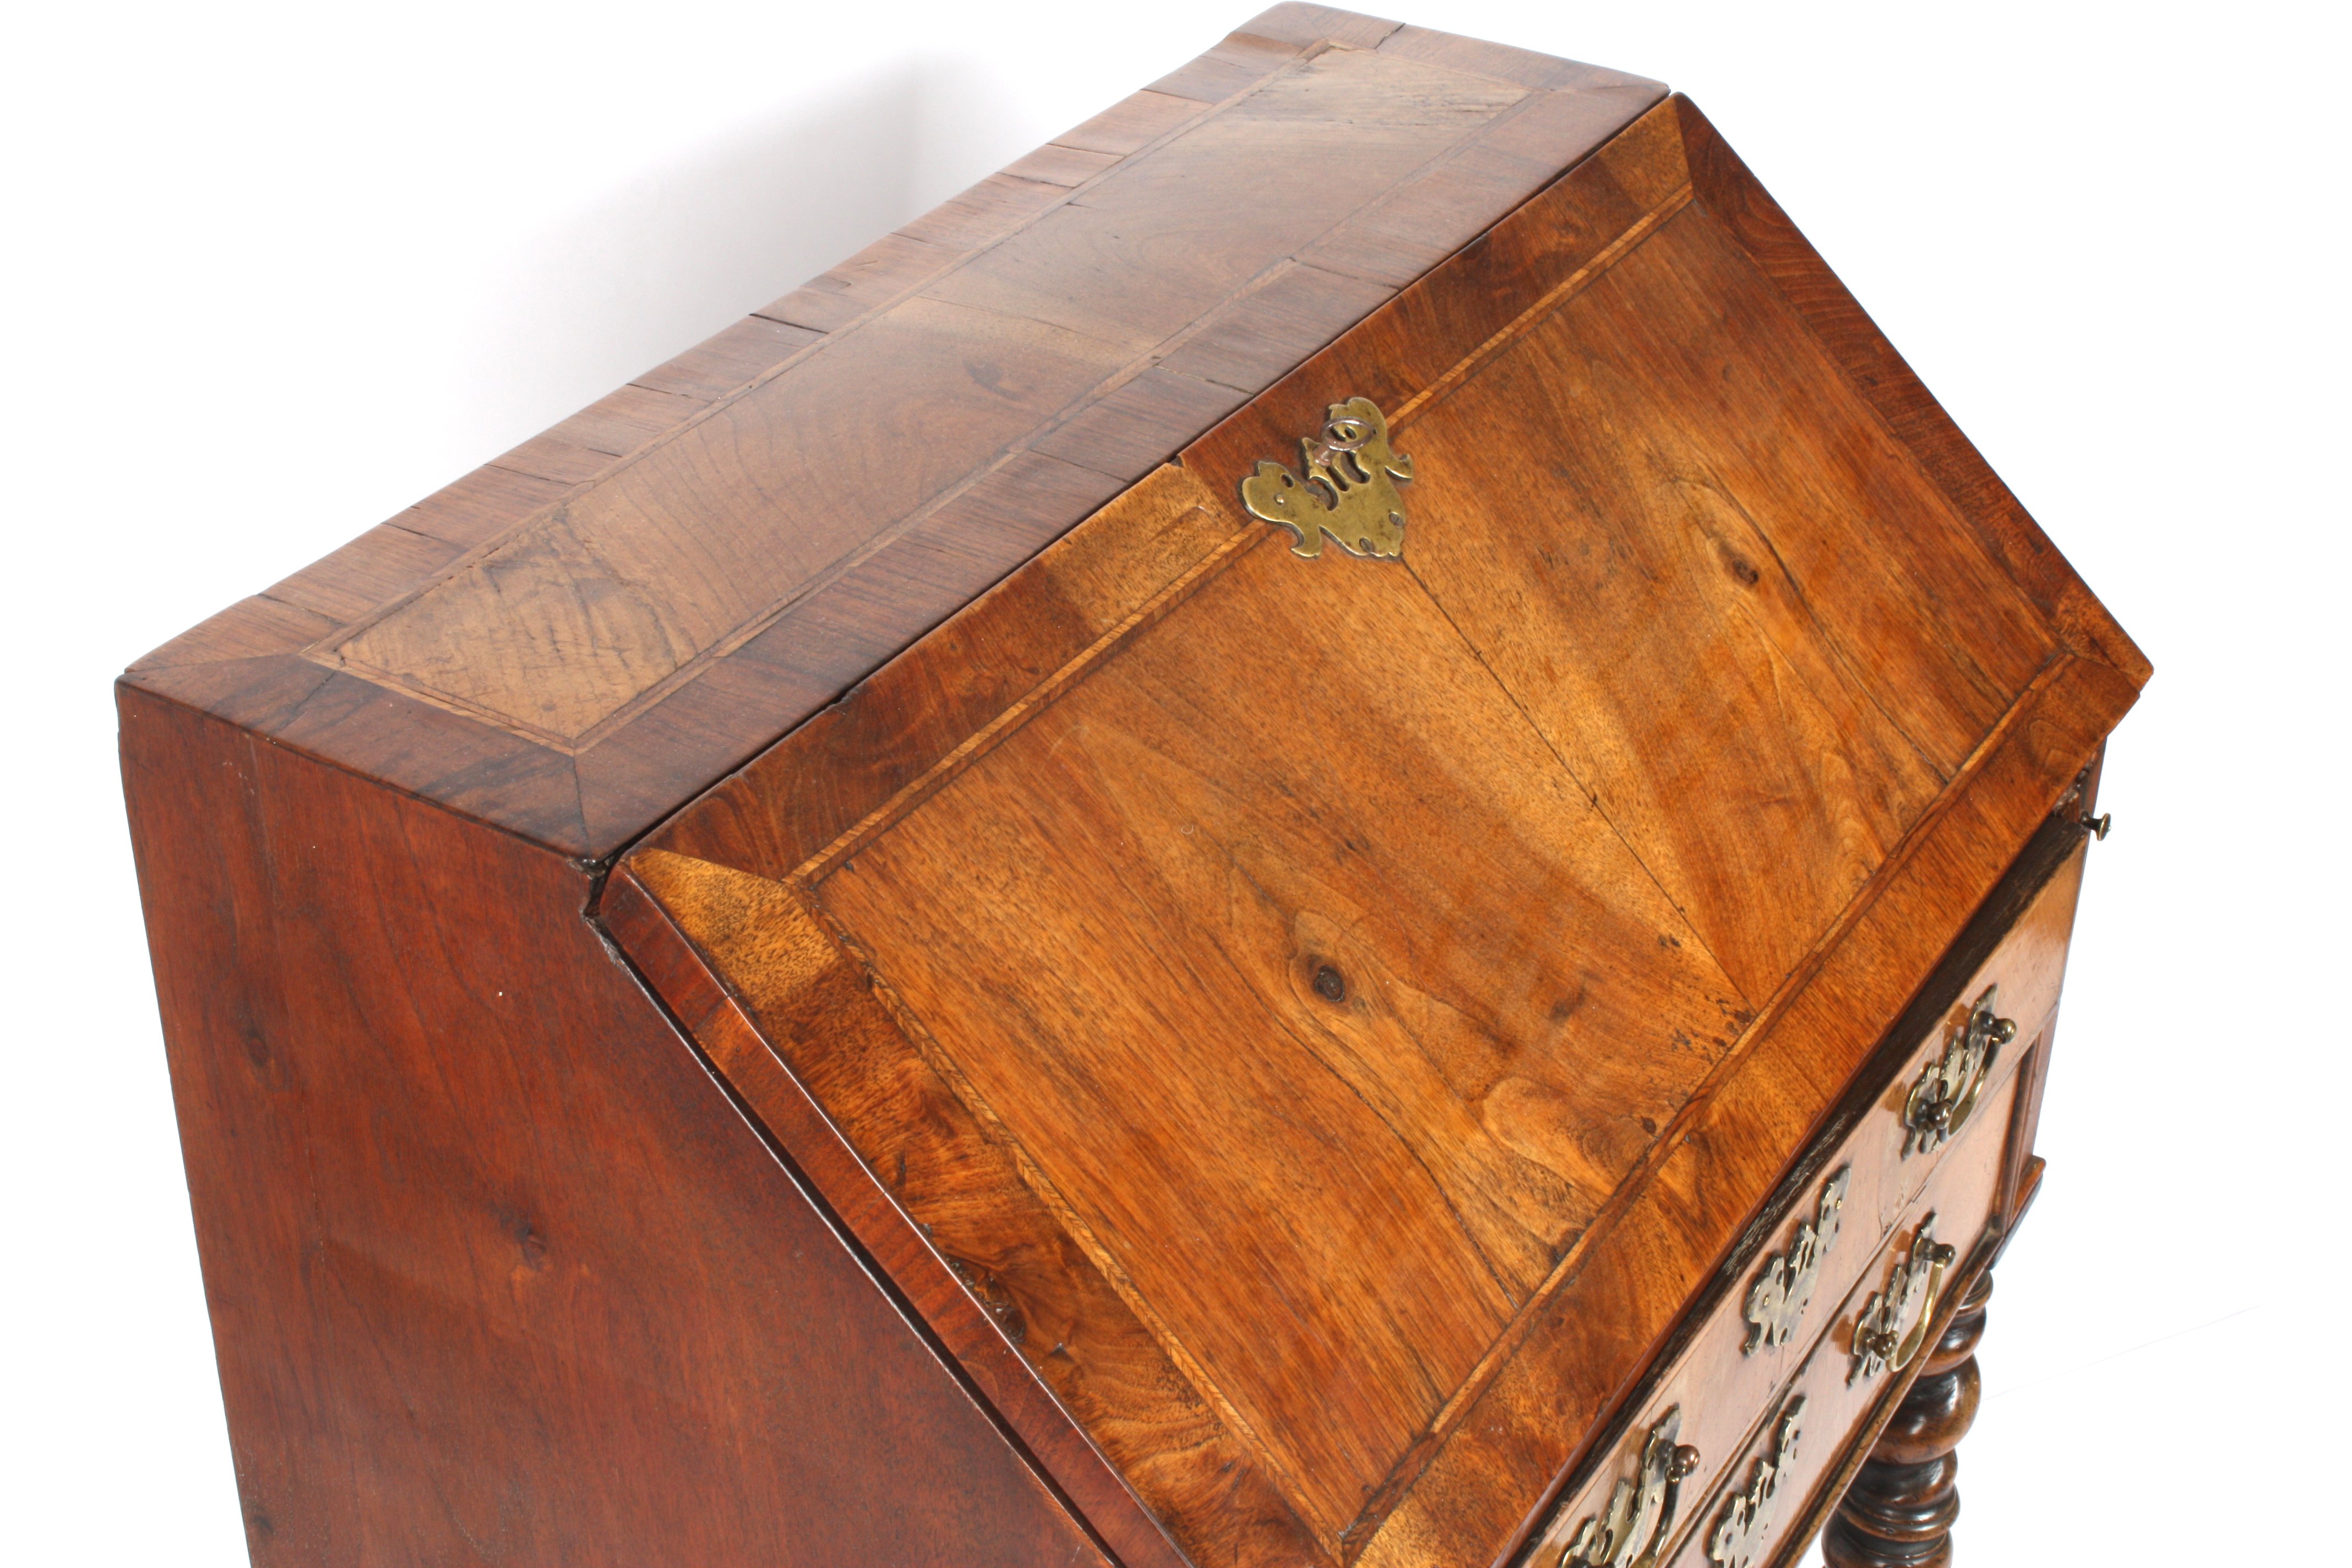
pixel 1777 1300
pixel 1744 1527
pixel 1632 1531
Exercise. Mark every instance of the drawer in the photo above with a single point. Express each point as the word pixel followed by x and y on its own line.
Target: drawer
pixel 1767 1492
pixel 1955 1090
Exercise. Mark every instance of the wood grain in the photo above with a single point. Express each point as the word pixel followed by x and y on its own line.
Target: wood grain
pixel 495 1270
pixel 1190 1055
pixel 569 620
pixel 1621 426
pixel 729 360
pixel 1206 937
pixel 939 1198
pixel 1747 623
pixel 1879 374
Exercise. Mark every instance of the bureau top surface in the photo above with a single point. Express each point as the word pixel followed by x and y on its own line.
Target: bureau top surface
pixel 573 640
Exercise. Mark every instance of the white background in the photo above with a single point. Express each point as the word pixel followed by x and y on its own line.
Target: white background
pixel 273 273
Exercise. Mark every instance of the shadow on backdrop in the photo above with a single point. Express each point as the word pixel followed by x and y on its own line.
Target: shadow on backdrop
pixel 675 251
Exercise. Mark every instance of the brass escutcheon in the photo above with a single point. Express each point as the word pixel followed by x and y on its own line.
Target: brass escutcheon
pixel 1949 1086
pixel 1632 1529
pixel 1347 491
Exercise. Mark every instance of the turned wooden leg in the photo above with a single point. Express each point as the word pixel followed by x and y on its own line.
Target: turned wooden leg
pixel 1898 1513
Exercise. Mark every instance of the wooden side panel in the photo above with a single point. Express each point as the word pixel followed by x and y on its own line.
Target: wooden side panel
pixel 496 1273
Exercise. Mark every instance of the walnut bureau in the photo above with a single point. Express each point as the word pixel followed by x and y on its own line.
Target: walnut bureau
pixel 1333 829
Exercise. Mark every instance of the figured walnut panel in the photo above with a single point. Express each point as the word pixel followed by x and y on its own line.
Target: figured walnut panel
pixel 1752 629
pixel 1252 935
pixel 571 618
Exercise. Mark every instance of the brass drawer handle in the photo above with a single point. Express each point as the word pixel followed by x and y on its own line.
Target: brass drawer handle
pixel 1634 1529
pixel 1881 1343
pixel 1949 1086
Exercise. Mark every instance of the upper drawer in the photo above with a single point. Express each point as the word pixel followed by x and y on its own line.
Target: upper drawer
pixel 1951 1092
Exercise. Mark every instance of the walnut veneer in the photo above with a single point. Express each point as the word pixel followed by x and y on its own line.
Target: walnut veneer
pixel 844 958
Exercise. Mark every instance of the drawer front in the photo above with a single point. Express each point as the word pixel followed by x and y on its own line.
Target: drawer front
pixel 1955 1090
pixel 1762 1498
